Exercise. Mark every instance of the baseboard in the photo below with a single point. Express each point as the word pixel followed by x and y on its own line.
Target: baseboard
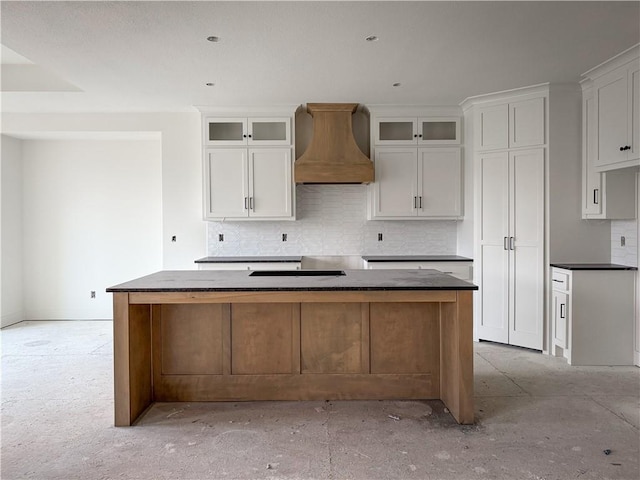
pixel 11 319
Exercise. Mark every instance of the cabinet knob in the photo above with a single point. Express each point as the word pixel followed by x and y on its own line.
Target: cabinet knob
pixel 420 135
pixel 249 135
pixel 244 136
pixel 415 135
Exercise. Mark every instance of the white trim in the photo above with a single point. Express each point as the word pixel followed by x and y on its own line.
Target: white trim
pixel 248 111
pixel 505 96
pixel 629 55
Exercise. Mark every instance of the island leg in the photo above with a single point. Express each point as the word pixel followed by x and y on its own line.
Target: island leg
pixel 456 357
pixel 131 359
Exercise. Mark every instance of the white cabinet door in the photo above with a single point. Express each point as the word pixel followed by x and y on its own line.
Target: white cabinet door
pixel 270 186
pixel 225 131
pixel 440 182
pixel 269 131
pixel 526 248
pixel 526 123
pixel 592 190
pixel 560 305
pixel 493 196
pixel 633 132
pixel 438 130
pixel 492 127
pixel 226 188
pixel 511 210
pixel 611 117
pixel 395 131
pixel 395 191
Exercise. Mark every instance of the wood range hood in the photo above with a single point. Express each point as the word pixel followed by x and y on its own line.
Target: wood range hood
pixel 333 155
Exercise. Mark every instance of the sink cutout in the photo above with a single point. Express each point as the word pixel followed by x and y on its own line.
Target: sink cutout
pixel 296 273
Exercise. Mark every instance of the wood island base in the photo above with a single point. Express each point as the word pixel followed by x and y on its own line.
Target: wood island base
pixel 292 345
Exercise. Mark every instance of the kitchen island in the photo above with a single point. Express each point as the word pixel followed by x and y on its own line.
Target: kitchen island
pixel 202 335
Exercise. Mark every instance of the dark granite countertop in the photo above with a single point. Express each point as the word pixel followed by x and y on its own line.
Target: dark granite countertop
pixel 416 258
pixel 239 281
pixel 592 266
pixel 248 259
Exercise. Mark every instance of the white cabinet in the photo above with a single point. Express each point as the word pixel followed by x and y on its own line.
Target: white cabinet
pixel 253 183
pixel 510 125
pixel 416 183
pixel 616 90
pixel 248 164
pixel 593 315
pixel 238 131
pixel 605 195
pixel 394 130
pixel 510 188
pixel 461 270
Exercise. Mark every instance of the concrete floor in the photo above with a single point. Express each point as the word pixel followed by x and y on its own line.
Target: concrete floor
pixel 537 418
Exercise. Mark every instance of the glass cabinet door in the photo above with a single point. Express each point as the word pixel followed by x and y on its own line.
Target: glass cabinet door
pixel 269 131
pixel 225 131
pixel 439 130
pixel 396 131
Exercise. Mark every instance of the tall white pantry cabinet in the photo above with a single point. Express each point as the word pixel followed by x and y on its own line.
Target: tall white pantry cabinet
pixel 526 162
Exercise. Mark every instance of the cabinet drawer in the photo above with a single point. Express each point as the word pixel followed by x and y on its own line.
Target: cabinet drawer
pixel 560 280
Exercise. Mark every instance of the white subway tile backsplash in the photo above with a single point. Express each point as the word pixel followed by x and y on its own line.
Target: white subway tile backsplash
pixel 627 255
pixel 331 220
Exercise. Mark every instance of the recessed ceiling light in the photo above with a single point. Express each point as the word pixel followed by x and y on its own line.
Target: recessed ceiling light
pixel 371 38
pixel 397 84
pixel 210 84
pixel 213 38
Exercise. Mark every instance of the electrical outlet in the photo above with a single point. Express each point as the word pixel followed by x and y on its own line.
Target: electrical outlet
pixel 623 241
pixel 284 237
pixel 379 237
pixel 93 294
pixel 221 237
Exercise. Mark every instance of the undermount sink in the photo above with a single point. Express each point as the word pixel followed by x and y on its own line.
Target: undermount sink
pixel 296 273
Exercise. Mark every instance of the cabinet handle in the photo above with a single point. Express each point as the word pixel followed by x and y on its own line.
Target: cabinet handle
pixel 504 243
pixel 512 242
pixel 415 202
pixel 246 199
pixel 420 204
pixel 595 196
pixel 563 307
pixel 251 203
pixel 626 147
pixel 556 280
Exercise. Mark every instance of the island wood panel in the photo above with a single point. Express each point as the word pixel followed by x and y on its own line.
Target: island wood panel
pixel 294 296
pixel 332 337
pixel 265 338
pixel 405 338
pixel 132 359
pixel 456 357
pixel 191 338
pixel 355 386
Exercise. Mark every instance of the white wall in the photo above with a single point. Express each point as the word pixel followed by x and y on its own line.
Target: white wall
pixel 92 218
pixel 181 167
pixel 11 298
pixel 331 220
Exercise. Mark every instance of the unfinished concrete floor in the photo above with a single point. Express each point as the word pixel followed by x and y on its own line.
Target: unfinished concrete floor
pixel 537 418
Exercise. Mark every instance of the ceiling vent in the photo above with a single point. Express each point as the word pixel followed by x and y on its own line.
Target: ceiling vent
pixel 333 155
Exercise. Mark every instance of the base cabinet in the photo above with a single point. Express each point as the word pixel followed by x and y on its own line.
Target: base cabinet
pixel 593 315
pixel 461 270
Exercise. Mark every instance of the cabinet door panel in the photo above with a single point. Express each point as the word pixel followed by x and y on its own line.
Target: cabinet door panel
pixel 634 114
pixel 440 172
pixel 593 194
pixel 526 123
pixel 226 176
pixel 611 105
pixel 395 188
pixel 493 211
pixel 270 182
pixel 527 248
pixel 560 305
pixel 225 131
pixel 395 131
pixel 492 126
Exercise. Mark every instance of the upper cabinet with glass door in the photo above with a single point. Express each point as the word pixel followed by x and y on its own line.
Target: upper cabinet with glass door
pixel 417 131
pixel 253 131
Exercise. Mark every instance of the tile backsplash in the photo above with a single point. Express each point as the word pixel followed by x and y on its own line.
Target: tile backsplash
pixel 627 255
pixel 331 220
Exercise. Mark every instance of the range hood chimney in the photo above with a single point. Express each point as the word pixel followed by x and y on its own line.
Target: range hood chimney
pixel 333 155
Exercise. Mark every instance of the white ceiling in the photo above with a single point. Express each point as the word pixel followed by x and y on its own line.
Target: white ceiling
pixel 154 56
